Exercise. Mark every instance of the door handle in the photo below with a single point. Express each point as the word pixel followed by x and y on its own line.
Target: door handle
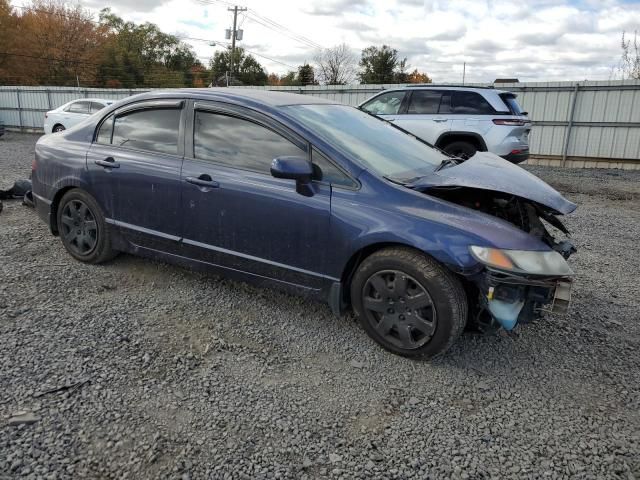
pixel 203 181
pixel 439 120
pixel 108 162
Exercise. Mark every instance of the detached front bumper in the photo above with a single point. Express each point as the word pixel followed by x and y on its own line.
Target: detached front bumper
pixel 512 299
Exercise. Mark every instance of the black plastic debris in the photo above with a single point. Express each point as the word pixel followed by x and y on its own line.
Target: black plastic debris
pixel 19 189
pixel 27 200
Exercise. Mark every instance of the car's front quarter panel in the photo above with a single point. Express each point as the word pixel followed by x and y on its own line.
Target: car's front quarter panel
pixel 382 213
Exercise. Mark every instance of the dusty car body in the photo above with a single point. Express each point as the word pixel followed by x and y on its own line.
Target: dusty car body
pixel 313 197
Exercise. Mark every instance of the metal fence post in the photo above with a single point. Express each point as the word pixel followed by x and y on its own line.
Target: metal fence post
pixel 19 107
pixel 49 98
pixel 567 136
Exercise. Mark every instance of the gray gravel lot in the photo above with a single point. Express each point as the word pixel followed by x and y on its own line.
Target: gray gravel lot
pixel 175 374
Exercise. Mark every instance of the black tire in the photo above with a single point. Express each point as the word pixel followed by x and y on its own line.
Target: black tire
pixel 83 231
pixel 461 149
pixel 423 332
pixel 57 128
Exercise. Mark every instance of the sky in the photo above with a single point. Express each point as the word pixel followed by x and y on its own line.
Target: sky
pixel 533 40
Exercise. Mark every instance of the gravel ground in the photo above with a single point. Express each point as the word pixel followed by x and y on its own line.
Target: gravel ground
pixel 166 373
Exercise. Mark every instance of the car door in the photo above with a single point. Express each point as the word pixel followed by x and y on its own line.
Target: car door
pixel 134 169
pixel 423 116
pixel 470 112
pixel 239 217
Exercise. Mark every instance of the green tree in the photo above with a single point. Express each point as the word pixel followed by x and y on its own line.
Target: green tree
pixel 306 75
pixel 382 65
pixel 247 70
pixel 143 55
pixel 290 79
pixel 7 34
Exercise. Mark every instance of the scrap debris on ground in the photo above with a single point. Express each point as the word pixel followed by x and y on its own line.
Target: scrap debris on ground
pixel 143 370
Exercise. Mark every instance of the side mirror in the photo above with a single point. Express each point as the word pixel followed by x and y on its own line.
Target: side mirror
pixel 295 168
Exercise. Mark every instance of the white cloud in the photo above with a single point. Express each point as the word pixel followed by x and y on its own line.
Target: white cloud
pixel 534 40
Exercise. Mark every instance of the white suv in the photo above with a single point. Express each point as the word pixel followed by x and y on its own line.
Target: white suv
pixel 458 120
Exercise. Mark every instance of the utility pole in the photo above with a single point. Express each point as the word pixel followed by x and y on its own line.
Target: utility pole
pixel 234 33
pixel 464 71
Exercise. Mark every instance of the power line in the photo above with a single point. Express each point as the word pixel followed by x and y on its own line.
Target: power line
pixel 275 26
pixel 270 24
pixel 180 37
pixel 228 45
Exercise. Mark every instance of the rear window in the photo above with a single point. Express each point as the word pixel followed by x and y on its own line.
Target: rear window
pixel 470 103
pixel 511 102
pixel 154 130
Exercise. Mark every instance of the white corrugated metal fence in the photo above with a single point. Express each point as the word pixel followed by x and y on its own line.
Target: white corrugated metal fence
pixel 582 123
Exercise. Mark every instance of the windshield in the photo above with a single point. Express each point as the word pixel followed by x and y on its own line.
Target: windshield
pixel 371 142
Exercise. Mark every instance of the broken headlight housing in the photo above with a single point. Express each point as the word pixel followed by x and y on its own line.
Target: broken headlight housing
pixel 528 262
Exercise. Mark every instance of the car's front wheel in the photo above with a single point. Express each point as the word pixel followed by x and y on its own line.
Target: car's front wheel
pixel 82 228
pixel 57 128
pixel 461 149
pixel 408 303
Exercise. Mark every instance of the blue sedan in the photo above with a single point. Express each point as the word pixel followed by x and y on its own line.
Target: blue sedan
pixel 314 197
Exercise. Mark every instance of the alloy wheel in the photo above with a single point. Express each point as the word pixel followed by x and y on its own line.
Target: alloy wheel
pixel 79 227
pixel 399 308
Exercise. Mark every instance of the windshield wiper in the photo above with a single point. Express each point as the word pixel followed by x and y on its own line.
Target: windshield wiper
pixel 445 163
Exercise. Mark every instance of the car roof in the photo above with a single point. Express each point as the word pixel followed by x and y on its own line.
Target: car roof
pixel 454 87
pixel 271 98
pixel 107 101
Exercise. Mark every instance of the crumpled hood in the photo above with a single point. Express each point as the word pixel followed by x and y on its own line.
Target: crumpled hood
pixel 487 171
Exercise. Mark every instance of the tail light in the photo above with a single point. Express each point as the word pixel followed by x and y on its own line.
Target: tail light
pixel 46 115
pixel 510 122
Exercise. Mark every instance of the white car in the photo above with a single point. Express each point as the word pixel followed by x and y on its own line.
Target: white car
pixel 69 114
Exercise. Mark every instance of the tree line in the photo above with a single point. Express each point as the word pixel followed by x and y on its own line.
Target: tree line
pixel 50 42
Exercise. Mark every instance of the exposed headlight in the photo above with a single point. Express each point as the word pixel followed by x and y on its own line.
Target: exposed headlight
pixel 523 261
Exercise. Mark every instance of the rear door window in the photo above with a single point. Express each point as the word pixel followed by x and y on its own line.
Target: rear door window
pixel 385 104
pixel 470 103
pixel 79 107
pixel 106 129
pixel 154 130
pixel 425 102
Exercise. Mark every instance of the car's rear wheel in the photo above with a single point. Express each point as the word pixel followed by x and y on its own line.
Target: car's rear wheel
pixel 82 228
pixel 461 149
pixel 58 128
pixel 408 303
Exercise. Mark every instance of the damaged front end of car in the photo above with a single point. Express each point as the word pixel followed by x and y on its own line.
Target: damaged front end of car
pixel 511 286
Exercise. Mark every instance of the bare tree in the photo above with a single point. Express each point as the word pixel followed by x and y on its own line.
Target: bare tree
pixel 336 65
pixel 630 62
